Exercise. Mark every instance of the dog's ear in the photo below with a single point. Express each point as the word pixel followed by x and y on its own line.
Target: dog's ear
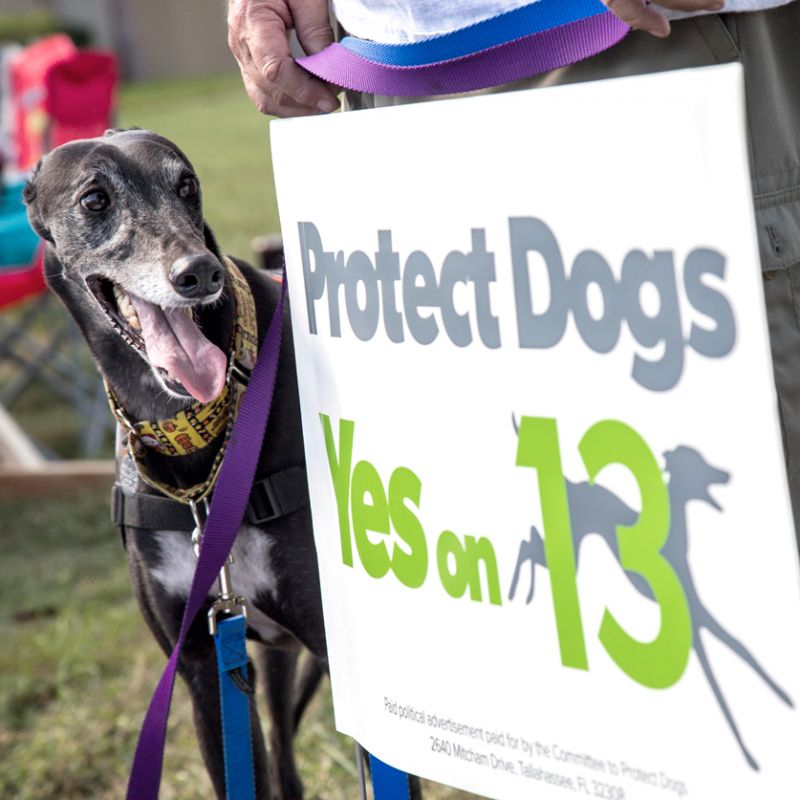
pixel 112 131
pixel 29 190
pixel 29 196
pixel 211 241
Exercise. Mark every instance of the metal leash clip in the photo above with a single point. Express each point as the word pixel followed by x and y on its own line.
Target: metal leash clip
pixel 197 533
pixel 227 602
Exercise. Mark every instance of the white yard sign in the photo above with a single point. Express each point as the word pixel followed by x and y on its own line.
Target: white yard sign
pixel 548 490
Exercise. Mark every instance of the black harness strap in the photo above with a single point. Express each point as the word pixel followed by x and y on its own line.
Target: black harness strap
pixel 149 512
pixel 275 496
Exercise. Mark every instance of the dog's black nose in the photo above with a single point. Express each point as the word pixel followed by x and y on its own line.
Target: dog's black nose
pixel 196 276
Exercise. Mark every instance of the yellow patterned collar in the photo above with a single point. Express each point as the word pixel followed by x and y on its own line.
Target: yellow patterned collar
pixel 194 428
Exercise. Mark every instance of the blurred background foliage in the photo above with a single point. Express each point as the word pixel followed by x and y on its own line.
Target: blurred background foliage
pixel 26 26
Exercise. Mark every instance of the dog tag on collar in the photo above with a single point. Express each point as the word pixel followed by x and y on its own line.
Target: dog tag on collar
pixel 128 476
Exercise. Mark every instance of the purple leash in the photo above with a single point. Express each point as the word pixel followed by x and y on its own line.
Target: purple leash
pixel 509 61
pixel 224 519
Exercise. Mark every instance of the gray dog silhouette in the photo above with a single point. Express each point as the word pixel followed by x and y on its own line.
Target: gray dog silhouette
pixel 595 510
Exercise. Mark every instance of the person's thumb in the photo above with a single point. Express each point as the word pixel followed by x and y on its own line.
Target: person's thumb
pixel 312 24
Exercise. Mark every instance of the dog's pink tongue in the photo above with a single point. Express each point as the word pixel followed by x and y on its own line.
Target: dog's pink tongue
pixel 175 344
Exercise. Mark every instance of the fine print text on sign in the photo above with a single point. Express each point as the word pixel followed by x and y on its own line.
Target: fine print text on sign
pixel 545 464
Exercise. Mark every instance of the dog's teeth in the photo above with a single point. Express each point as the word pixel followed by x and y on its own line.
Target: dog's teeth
pixel 123 302
pixel 126 308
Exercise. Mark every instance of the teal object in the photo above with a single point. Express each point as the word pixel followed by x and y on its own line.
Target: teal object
pixel 11 196
pixel 18 241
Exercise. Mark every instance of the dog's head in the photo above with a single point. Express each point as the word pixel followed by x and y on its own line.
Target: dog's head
pixel 691 476
pixel 122 214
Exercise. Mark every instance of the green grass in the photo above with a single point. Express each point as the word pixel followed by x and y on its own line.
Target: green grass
pixel 77 665
pixel 77 668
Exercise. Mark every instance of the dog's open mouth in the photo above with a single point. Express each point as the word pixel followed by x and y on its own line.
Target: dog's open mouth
pixel 170 339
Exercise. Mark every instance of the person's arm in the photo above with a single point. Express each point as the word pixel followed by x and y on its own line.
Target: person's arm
pixel 258 35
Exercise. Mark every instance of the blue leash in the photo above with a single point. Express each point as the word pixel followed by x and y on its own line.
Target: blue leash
pixel 234 698
pixel 388 783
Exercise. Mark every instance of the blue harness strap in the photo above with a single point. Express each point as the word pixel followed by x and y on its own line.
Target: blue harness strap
pixel 388 783
pixel 235 708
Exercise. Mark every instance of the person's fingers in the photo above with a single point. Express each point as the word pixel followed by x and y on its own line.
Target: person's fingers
pixel 258 38
pixel 312 24
pixel 276 69
pixel 281 74
pixel 640 15
pixel 266 103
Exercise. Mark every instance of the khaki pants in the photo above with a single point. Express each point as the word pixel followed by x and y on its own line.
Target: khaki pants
pixel 768 45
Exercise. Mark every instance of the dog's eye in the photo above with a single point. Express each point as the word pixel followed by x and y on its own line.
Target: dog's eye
pixel 187 187
pixel 95 201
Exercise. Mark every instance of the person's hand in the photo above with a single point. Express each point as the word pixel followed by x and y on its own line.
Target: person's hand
pixel 258 35
pixel 642 15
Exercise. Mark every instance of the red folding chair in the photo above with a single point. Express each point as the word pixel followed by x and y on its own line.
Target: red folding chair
pixel 79 96
pixel 58 94
pixel 21 283
pixel 27 123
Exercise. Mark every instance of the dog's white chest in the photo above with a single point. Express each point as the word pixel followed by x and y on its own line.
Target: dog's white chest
pixel 252 575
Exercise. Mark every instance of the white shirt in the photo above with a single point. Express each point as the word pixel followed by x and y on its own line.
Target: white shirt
pixel 392 21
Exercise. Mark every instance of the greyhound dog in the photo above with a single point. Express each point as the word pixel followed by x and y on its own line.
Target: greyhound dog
pixel 129 254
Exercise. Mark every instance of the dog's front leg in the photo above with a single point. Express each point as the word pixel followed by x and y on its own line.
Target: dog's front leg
pixel 278 670
pixel 197 666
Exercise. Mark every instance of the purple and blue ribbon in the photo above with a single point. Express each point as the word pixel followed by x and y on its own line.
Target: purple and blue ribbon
pixel 517 44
